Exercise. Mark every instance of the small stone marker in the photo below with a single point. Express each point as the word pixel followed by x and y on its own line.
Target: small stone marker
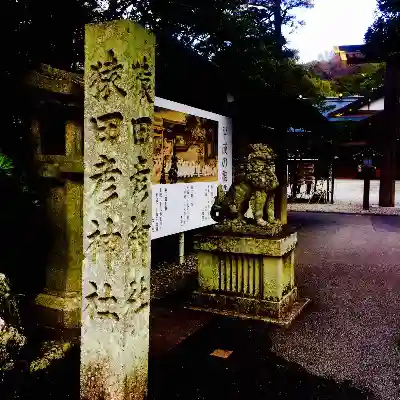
pixel 119 107
pixel 221 353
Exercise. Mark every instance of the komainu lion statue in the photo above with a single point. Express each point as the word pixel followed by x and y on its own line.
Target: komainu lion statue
pixel 254 186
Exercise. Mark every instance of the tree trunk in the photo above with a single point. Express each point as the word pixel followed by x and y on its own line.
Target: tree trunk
pixel 281 193
pixel 391 127
pixel 281 165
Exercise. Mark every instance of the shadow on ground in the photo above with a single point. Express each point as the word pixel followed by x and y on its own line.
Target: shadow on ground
pixel 304 220
pixel 384 224
pixel 312 220
pixel 189 371
pixel 252 371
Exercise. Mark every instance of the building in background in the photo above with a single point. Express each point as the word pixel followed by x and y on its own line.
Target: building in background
pixel 358 122
pixel 351 55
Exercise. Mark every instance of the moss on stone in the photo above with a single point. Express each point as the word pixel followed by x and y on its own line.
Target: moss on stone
pixel 52 351
pixel 254 186
pixel 240 244
pixel 287 289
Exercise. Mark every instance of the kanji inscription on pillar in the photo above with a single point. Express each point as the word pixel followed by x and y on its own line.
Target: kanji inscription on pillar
pixel 119 107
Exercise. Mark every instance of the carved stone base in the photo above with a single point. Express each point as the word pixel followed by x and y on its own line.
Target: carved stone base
pixel 245 305
pixel 61 313
pixel 247 275
pixel 281 313
pixel 249 226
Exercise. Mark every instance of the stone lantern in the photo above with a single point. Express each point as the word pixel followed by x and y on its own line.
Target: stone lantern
pixel 57 130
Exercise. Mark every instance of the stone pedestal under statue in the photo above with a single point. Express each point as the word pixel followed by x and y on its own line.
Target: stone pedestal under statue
pixel 246 265
pixel 248 276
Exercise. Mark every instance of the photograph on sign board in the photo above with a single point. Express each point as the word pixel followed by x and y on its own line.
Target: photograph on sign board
pixel 185 148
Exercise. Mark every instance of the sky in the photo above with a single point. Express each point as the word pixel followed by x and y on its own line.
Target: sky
pixel 331 23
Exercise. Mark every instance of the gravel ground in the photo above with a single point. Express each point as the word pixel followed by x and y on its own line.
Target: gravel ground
pixel 231 359
pixel 169 277
pixel 344 207
pixel 351 190
pixel 349 265
pixel 349 198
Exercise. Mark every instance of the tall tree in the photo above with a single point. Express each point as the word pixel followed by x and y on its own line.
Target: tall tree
pixel 382 38
pixel 382 42
pixel 367 79
pixel 237 35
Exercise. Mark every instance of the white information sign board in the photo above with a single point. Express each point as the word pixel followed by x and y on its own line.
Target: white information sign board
pixel 201 143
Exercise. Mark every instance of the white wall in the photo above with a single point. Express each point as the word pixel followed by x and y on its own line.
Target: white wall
pixel 377 105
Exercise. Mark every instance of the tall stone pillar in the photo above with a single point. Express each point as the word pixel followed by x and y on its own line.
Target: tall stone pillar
pixel 119 108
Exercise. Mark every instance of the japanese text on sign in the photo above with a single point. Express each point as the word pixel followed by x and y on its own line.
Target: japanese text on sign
pixel 225 162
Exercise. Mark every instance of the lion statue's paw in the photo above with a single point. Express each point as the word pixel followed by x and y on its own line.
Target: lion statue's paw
pixel 261 222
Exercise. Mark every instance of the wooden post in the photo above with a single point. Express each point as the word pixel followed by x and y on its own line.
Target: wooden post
pixel 367 186
pixel 333 183
pixel 328 185
pixel 281 193
pixel 181 257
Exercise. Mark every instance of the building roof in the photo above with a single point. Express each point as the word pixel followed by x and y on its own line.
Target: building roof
pixel 352 54
pixel 345 109
pixel 356 54
pixel 182 76
pixel 336 104
pixel 352 108
pixel 353 48
pixel 185 77
pixel 352 118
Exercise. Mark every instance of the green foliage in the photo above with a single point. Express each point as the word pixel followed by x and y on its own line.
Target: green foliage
pixel 331 79
pixel 238 36
pixel 330 69
pixel 368 78
pixel 52 32
pixel 6 165
pixel 382 38
pixel 219 30
pixel 323 86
